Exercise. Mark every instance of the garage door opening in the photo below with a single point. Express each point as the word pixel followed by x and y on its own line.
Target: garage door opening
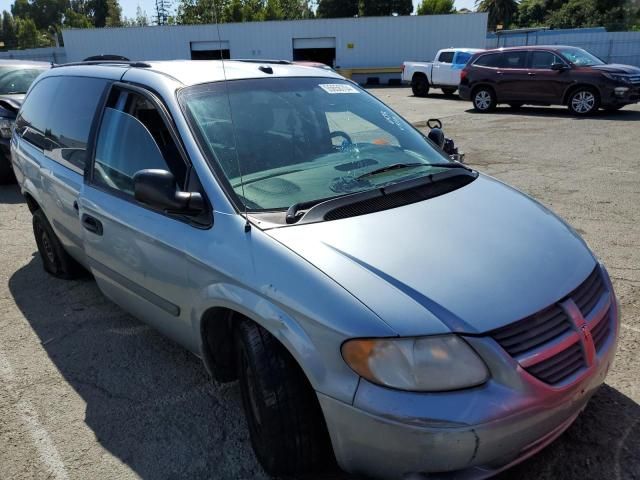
pixel 210 50
pixel 321 50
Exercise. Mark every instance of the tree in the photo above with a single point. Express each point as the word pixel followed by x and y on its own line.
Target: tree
pixel 531 13
pixel 105 13
pixel 337 8
pixel 9 30
pixel 501 12
pixel 371 8
pixel 436 7
pixel 27 33
pixel 74 19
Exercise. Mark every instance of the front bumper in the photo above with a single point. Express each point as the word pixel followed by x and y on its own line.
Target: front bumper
pixel 616 94
pixel 468 434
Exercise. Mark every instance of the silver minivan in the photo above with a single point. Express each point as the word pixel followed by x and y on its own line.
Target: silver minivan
pixel 378 303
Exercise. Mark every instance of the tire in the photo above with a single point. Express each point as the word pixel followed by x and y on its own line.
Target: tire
pixel 449 91
pixel 286 425
pixel 515 106
pixel 484 99
pixel 6 172
pixel 583 101
pixel 55 259
pixel 420 86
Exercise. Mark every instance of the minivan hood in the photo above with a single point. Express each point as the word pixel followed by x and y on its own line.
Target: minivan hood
pixel 469 261
pixel 617 68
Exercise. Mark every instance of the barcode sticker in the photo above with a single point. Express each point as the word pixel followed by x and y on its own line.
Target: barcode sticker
pixel 337 88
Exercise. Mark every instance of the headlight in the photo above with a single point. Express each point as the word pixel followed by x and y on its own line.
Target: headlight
pixel 5 127
pixel 425 364
pixel 616 77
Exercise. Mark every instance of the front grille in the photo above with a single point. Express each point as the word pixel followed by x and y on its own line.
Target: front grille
pixel 601 331
pixel 634 79
pixel 586 296
pixel 534 337
pixel 533 331
pixel 559 367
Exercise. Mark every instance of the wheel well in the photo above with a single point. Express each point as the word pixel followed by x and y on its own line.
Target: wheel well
pixel 573 88
pixel 218 345
pixel 31 203
pixel 418 75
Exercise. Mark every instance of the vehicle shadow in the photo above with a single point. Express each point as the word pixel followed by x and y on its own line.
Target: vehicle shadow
pixel 10 195
pixel 561 112
pixel 151 404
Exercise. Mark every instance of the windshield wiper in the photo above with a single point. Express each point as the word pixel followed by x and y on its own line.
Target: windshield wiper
pixel 292 211
pixel 398 166
pixel 388 168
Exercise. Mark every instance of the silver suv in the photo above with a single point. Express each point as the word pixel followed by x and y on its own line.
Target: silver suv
pixel 378 303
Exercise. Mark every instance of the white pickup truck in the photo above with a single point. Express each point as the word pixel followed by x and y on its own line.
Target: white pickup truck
pixel 443 72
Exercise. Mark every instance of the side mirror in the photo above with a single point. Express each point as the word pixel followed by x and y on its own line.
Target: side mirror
pixel 158 189
pixel 559 67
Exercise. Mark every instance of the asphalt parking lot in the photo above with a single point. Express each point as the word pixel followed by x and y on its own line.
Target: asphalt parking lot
pixel 89 392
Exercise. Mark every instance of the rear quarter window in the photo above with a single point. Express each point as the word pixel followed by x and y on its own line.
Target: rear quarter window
pixel 34 114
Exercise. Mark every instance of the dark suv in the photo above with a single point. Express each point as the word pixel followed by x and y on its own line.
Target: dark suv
pixel 548 75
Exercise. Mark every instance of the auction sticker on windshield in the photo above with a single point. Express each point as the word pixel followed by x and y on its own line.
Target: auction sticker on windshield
pixel 335 88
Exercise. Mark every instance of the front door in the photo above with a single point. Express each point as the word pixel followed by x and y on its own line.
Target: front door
pixel 546 85
pixel 441 73
pixel 137 254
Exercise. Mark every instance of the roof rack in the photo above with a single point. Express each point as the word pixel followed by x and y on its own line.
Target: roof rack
pixel 262 61
pixel 105 62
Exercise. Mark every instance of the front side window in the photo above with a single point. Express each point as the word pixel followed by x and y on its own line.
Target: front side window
pixel 296 140
pixel 17 79
pixel 580 57
pixel 133 137
pixel 543 60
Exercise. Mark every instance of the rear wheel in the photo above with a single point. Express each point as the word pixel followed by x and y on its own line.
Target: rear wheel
pixel 484 100
pixel 420 86
pixel 55 259
pixel 583 101
pixel 449 91
pixel 286 425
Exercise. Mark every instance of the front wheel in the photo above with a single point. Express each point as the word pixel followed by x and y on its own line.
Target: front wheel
pixel 286 425
pixel 449 91
pixel 484 100
pixel 583 101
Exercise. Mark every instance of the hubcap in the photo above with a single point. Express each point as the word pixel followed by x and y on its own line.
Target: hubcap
pixel 483 100
pixel 583 102
pixel 48 249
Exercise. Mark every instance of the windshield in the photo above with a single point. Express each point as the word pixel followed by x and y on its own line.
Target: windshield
pixel 297 140
pixel 17 79
pixel 580 57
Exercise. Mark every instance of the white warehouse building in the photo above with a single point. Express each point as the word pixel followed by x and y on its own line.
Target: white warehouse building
pixel 368 47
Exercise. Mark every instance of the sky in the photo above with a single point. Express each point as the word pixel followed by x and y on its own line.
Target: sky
pixel 129 6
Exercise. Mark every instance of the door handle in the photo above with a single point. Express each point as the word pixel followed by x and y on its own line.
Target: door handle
pixel 75 206
pixel 531 74
pixel 91 224
pixel 499 72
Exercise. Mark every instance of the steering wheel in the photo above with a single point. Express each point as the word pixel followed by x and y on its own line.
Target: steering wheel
pixel 340 133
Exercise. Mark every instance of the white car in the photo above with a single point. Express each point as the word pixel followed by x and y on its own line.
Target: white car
pixel 443 72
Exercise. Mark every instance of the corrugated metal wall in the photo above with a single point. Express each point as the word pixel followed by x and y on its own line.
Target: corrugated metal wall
pixel 613 47
pixel 52 54
pixel 375 42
